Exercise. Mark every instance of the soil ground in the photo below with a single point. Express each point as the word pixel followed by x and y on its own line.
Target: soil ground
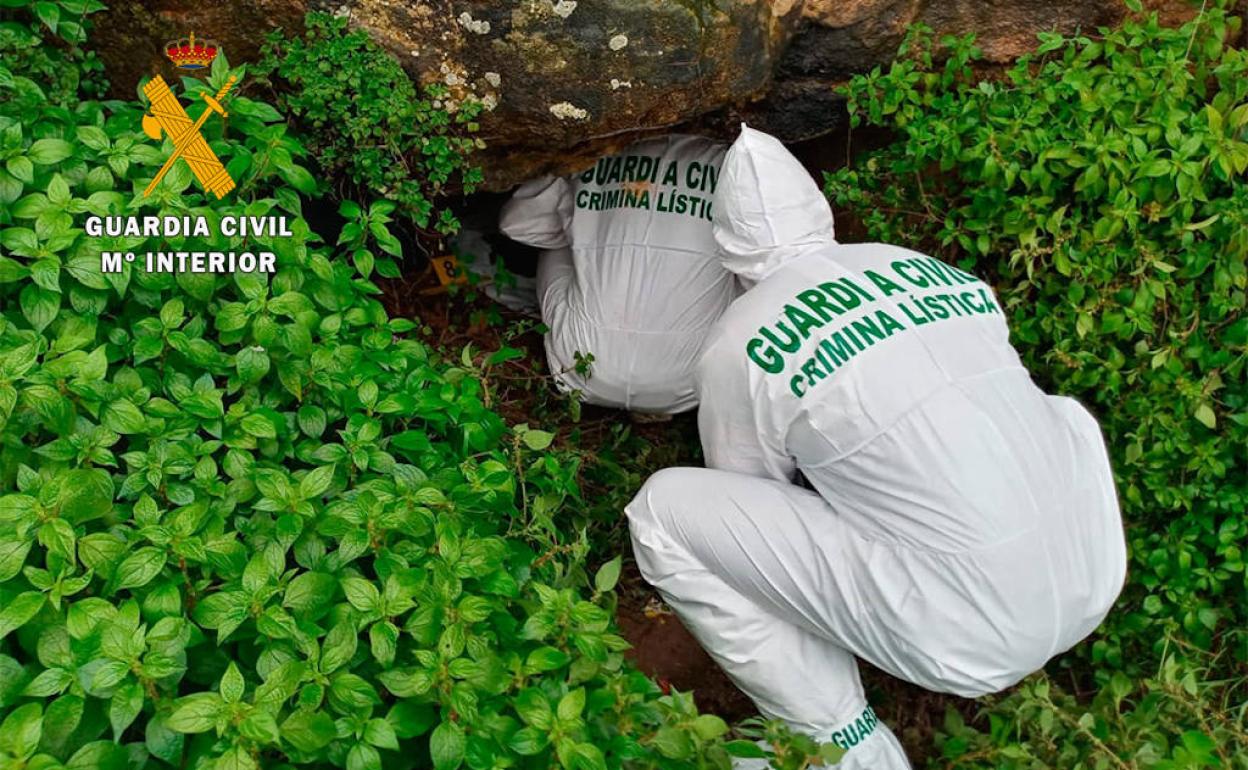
pixel 662 648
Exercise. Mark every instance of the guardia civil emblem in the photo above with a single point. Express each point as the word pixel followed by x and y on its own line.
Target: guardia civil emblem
pixel 167 117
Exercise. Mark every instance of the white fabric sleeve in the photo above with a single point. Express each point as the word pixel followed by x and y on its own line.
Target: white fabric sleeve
pixel 539 213
pixel 732 436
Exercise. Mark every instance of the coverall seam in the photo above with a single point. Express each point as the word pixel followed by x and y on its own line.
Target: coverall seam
pixel 618 245
pixel 947 385
pixel 1058 623
pixel 577 306
pixel 924 549
pixel 654 333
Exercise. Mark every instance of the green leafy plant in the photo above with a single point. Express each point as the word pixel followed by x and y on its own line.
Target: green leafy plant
pixel 245 519
pixel 1100 185
pixel 62 71
pixel 1183 715
pixel 370 123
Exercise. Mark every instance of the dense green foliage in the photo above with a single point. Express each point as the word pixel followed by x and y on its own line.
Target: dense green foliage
pixel 246 520
pixel 369 122
pixel 1100 185
pixel 251 520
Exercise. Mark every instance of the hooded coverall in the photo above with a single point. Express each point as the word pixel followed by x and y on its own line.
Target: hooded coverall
pixel 630 273
pixel 963 526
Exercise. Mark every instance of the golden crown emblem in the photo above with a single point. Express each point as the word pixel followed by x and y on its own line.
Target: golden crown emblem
pixel 191 54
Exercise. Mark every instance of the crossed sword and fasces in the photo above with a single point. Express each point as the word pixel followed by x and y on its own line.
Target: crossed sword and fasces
pixel 168 116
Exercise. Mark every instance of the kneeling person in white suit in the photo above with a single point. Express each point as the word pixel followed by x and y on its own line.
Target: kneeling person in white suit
pixel 963 526
pixel 630 273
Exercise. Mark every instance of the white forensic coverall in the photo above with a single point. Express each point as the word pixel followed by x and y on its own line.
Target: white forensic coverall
pixel 630 274
pixel 964 526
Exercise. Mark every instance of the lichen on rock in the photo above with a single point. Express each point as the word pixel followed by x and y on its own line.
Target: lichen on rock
pixel 568 111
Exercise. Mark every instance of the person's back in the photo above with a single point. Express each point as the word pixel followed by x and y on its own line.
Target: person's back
pixel 635 281
pixel 887 378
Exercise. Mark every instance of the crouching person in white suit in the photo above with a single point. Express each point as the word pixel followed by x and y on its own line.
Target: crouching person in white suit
pixel 629 274
pixel 963 526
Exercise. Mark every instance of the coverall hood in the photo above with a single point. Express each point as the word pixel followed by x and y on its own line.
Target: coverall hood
pixel 768 209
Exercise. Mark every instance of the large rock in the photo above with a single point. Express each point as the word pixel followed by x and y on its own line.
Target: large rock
pixel 570 79
pixel 566 79
pixel 130 36
pixel 573 79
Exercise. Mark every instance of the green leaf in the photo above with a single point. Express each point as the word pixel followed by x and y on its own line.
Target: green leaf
pixel 831 753
pixel 237 758
pixel 308 731
pixel 162 742
pixel 49 13
pixel 30 206
pixel 19 610
pixel 298 177
pixel 362 594
pixel 86 495
pixel 546 659
pixel 124 707
pixel 589 757
pixel 608 575
pixel 196 713
pixel 123 417
pixel 538 439
pixel 310 591
pixel 58 190
pixel 411 720
pixel 252 364
pixel 60 720
pixel 315 482
pixel 673 743
pixel 20 240
pixel 224 611
pixel 57 536
pixel 99 755
pixel 52 681
pixel 350 693
pixel 534 708
pixel 312 420
pixel 709 727
pixel 232 684
pixel 339 648
pixel 379 733
pixel 1156 168
pixel 383 639
pixel 46 152
pixel 21 731
pixel 140 568
pixel 259 426
pixel 571 705
pixel 21 168
pixel 1205 415
pixel 93 137
pixel 528 741
pixel 12 557
pixel 107 675
pixel 363 757
pixel 39 306
pixel 446 746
